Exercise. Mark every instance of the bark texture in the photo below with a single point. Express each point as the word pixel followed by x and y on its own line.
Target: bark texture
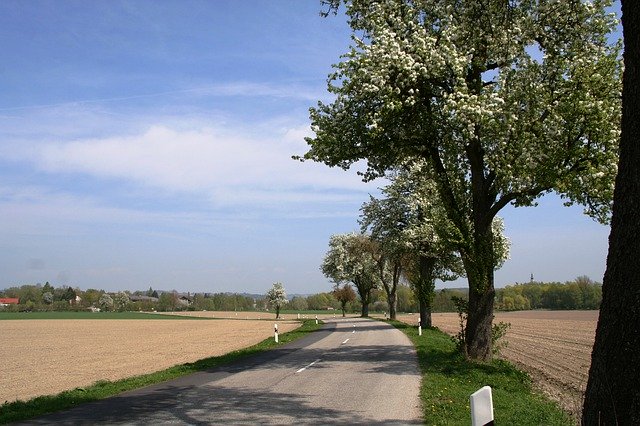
pixel 613 390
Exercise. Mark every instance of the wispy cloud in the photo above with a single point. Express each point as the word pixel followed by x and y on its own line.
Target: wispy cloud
pixel 230 167
pixel 190 171
pixel 231 89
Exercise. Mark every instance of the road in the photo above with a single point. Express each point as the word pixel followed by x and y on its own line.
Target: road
pixel 352 371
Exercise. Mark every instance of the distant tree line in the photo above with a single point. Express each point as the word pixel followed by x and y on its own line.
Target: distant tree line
pixel 38 297
pixel 582 293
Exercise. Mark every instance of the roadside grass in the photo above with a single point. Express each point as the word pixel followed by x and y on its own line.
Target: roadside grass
pixel 448 380
pixel 22 410
pixel 337 312
pixel 87 315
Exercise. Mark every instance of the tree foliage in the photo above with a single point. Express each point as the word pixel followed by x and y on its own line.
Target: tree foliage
pixel 505 101
pixel 582 293
pixel 344 295
pixel 277 297
pixel 120 301
pixel 351 259
pixel 105 302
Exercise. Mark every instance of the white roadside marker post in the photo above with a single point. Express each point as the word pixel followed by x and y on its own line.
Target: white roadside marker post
pixel 316 319
pixel 419 328
pixel 276 333
pixel 298 315
pixel 482 407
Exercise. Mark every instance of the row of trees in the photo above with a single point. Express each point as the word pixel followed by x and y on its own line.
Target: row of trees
pixel 505 101
pixel 47 297
pixel 490 103
pixel 582 293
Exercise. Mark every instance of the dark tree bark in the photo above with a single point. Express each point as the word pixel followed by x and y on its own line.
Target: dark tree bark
pixel 393 303
pixel 480 274
pixel 364 290
pixel 424 288
pixel 365 310
pixel 613 391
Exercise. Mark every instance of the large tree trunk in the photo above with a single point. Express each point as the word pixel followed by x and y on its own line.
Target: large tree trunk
pixel 479 322
pixel 479 268
pixel 425 314
pixel 392 299
pixel 424 288
pixel 365 310
pixel 364 291
pixel 613 392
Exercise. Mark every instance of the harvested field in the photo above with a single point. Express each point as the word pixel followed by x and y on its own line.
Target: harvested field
pixel 554 347
pixel 42 357
pixel 253 315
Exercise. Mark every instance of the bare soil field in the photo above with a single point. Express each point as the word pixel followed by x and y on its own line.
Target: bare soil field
pixel 254 315
pixel 554 347
pixel 43 357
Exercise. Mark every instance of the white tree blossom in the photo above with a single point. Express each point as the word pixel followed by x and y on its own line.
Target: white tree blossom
pixel 277 297
pixel 350 259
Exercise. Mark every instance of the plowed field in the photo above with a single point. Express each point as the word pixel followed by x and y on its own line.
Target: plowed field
pixel 554 347
pixel 42 357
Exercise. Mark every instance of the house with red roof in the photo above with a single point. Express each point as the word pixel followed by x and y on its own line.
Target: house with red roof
pixel 6 301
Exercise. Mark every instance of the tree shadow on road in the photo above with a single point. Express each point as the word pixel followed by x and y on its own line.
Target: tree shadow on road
pixel 203 405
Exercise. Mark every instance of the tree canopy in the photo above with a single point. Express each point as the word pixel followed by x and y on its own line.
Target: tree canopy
pixel 350 259
pixel 505 101
pixel 277 297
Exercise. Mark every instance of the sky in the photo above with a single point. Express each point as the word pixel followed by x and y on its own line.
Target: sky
pixel 148 144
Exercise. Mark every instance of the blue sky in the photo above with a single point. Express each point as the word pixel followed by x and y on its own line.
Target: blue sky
pixel 148 143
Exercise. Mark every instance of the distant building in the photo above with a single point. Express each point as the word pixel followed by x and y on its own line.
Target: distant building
pixel 6 301
pixel 185 299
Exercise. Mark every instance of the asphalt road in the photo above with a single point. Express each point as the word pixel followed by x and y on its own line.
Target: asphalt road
pixel 353 371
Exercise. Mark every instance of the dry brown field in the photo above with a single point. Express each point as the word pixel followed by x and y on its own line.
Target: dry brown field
pixel 255 315
pixel 43 357
pixel 554 347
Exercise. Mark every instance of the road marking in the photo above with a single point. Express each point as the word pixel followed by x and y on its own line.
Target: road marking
pixel 345 341
pixel 304 368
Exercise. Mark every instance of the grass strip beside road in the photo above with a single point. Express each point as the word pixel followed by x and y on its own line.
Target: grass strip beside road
pixel 448 379
pixel 22 410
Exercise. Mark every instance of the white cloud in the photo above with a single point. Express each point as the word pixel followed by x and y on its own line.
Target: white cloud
pixel 229 167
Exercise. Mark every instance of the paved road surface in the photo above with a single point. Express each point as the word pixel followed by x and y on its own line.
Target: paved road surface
pixel 353 371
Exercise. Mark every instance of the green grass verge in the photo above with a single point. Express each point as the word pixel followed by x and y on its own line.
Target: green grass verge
pixel 88 315
pixel 336 312
pixel 21 410
pixel 448 380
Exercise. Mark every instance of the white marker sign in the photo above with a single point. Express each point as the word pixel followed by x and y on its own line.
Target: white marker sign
pixel 482 407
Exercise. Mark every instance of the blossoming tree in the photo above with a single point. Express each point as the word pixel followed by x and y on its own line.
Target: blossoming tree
pixel 505 100
pixel 350 259
pixel 277 297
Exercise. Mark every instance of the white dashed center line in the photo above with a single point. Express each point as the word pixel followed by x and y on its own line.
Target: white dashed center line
pixel 304 368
